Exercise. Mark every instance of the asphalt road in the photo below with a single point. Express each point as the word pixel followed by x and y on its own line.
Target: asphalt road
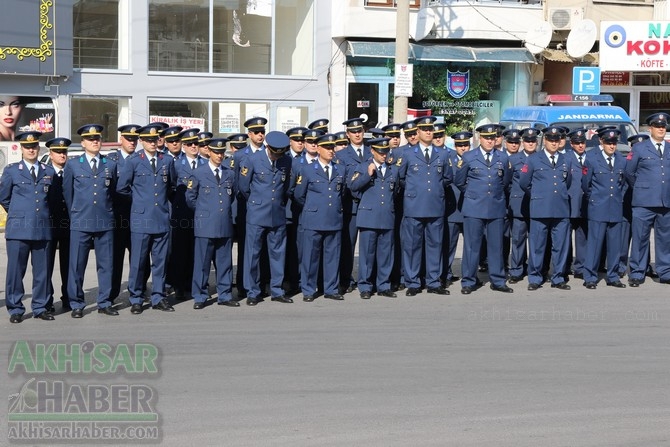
pixel 544 368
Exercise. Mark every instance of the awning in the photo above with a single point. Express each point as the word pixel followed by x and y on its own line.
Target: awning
pixel 440 52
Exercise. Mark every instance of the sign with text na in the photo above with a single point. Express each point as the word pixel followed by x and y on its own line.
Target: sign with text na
pixel 635 46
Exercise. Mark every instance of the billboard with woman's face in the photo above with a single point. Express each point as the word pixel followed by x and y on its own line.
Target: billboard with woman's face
pixel 22 113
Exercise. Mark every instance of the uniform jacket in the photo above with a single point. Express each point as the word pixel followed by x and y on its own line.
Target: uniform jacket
pixel 454 196
pixel 121 202
pixel 645 173
pixel 212 202
pixel 60 217
pixel 376 194
pixel 150 193
pixel 519 200
pixel 293 209
pixel 484 186
pixel 349 157
pixel 604 187
pixel 320 198
pixel 182 214
pixel 548 186
pixel 265 190
pixel 27 202
pixel 424 184
pixel 90 197
pixel 578 205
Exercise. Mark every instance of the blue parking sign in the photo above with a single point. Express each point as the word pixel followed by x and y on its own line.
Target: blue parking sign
pixel 586 81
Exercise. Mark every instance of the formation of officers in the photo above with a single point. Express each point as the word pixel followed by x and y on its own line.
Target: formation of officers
pixel 298 202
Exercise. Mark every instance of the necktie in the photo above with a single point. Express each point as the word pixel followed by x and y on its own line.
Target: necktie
pixel 609 162
pixel 381 171
pixel 216 174
pixel 311 162
pixel 660 151
pixel 94 166
pixel 32 173
pixel 327 172
pixel 153 165
pixel 60 174
pixel 553 161
pixel 488 159
pixel 581 160
pixel 427 156
pixel 193 164
pixel 274 165
pixel 360 154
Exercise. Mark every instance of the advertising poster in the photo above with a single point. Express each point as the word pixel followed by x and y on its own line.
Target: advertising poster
pixel 23 113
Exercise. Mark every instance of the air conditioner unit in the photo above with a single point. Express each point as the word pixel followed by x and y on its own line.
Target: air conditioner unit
pixel 564 18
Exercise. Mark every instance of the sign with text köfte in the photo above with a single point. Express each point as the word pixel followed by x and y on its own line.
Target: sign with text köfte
pixel 404 74
pixel 635 46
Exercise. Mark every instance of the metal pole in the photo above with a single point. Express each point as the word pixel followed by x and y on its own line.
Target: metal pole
pixel 401 56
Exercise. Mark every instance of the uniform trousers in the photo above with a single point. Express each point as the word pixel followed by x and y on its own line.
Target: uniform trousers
pixel 449 245
pixel 317 247
pixel 598 232
pixel 274 238
pixel 419 234
pixel 81 243
pixel 18 252
pixel 540 230
pixel 60 244
pixel 219 251
pixel 474 229
pixel 519 246
pixel 146 245
pixel 643 220
pixel 375 249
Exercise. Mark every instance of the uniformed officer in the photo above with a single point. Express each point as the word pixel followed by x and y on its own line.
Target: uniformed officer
pixel 89 185
pixel 319 188
pixel 172 137
pixel 646 168
pixel 320 124
pixel 355 153
pixel 129 138
pixel 512 142
pixel 603 183
pixel 60 220
pixel 292 267
pixel 25 194
pixel 160 143
pixel 256 136
pixel 203 144
pixel 149 178
pixel 392 131
pixel 519 205
pixel 439 135
pixel 546 177
pixel 264 182
pixel 453 210
pixel 210 193
pixel 425 173
pixel 578 205
pixel 375 182
pixel 483 175
pixel 181 216
pixel 341 141
pixel 376 132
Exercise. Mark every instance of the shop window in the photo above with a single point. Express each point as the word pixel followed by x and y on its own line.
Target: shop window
pixel 229 117
pixel 104 111
pixel 96 34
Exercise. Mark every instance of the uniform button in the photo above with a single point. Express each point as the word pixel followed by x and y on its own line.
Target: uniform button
pixel 94 185
pixel 37 209
pixel 155 204
pixel 95 202
pixel 95 193
pixel 382 203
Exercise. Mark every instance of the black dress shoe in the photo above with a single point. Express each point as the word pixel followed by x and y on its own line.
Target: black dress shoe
pixel 412 291
pixel 16 318
pixel 365 295
pixel 533 286
pixel 578 276
pixel 651 274
pixel 561 285
pixel 199 305
pixel 664 281
pixel 351 288
pixel 281 299
pixel 617 284
pixel 51 309
pixel 308 298
pixel 387 293
pixel 109 310
pixel 77 313
pixel 252 301
pixel 229 303
pixel 590 285
pixel 164 306
pixel 136 309
pixel 503 289
pixel 467 290
pixel 65 306
pixel 515 279
pixel 334 296
pixel 438 290
pixel 401 286
pixel 621 274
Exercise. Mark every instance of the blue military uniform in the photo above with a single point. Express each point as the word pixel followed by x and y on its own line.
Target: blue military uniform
pixel 548 187
pixel 647 167
pixel 425 173
pixel 484 184
pixel 179 273
pixel 27 231
pixel 212 201
pixel 264 183
pixel 603 187
pixel 89 185
pixel 61 226
pixel 375 221
pixel 578 207
pixel 150 189
pixel 393 131
pixel 320 196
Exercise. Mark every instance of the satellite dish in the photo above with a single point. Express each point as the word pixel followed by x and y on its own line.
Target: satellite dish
pixel 425 21
pixel 582 37
pixel 538 37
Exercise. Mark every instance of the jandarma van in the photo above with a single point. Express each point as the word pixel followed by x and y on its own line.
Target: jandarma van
pixel 11 108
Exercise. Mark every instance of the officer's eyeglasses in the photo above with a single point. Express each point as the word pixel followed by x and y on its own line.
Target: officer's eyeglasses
pixel 256 132
pixel 191 143
pixel 92 138
pixel 462 144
